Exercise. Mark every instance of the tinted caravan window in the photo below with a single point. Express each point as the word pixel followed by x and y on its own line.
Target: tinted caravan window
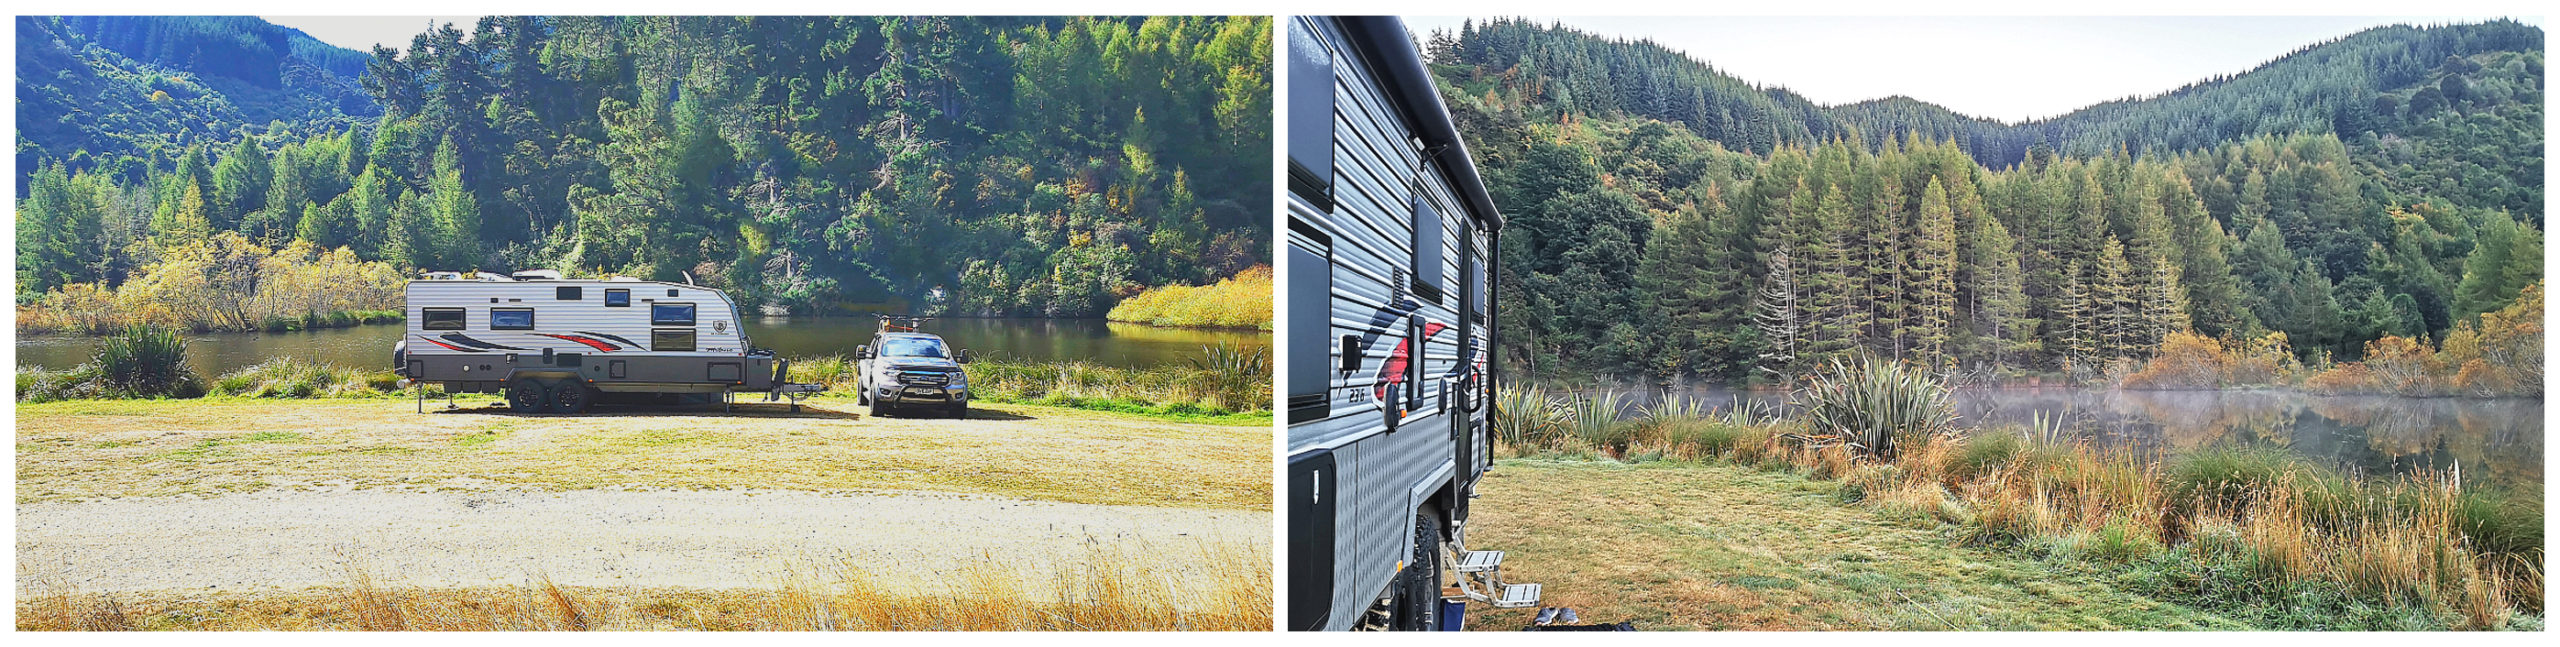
pixel 440 319
pixel 617 298
pixel 1428 277
pixel 671 314
pixel 510 318
pixel 1311 364
pixel 1310 116
pixel 572 293
pixel 671 340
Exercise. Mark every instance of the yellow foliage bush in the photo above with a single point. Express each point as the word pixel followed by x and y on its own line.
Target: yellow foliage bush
pixel 227 282
pixel 1240 301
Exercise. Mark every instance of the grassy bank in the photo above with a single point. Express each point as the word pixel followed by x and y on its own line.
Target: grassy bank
pixel 2255 535
pixel 1221 386
pixel 1237 393
pixel 1240 301
pixel 1222 588
pixel 91 449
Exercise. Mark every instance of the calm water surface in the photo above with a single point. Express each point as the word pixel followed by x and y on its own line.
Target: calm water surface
pixel 2495 441
pixel 1090 340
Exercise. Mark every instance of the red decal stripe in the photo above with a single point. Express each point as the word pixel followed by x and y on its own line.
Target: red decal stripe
pixel 591 342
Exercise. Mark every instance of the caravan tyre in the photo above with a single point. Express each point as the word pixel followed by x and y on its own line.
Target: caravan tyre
pixel 526 396
pixel 1417 605
pixel 570 397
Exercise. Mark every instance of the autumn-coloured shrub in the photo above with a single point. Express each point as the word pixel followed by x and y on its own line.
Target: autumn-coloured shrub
pixel 2500 356
pixel 2192 361
pixel 1240 301
pixel 228 283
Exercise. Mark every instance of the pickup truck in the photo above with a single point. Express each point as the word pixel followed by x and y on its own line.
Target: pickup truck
pixel 902 370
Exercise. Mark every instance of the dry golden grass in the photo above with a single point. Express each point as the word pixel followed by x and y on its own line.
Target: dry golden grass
pixel 1222 587
pixel 92 449
pixel 2401 543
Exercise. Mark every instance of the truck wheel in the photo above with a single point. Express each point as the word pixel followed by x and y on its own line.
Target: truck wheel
pixel 958 411
pixel 880 409
pixel 525 396
pixel 570 397
pixel 1417 606
pixel 862 394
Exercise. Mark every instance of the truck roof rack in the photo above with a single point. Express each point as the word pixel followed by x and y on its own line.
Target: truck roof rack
pixel 902 323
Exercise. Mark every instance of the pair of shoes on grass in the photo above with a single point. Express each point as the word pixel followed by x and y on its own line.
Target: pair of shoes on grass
pixel 1556 615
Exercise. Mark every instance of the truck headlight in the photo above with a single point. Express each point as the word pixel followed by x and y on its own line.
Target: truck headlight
pixel 959 380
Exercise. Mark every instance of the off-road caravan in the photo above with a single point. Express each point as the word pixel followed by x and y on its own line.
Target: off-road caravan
pixel 556 345
pixel 1390 330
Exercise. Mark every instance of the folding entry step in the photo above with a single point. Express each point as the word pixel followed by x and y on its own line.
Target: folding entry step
pixel 1480 577
pixel 1517 596
pixel 1478 561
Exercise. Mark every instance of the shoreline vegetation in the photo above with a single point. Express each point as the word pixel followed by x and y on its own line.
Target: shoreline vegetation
pixel 225 283
pixel 1240 301
pixel 1224 385
pixel 2256 531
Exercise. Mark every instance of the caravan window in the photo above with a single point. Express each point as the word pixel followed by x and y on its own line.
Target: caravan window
pixel 1310 333
pixel 671 314
pixel 1310 117
pixel 617 298
pixel 440 319
pixel 1428 276
pixel 671 340
pixel 510 318
pixel 571 293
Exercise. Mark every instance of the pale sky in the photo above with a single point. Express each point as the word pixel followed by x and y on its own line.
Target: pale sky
pixel 2007 68
pixel 361 33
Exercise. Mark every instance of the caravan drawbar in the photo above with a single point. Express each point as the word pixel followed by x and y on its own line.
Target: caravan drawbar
pixel 555 345
pixel 1390 322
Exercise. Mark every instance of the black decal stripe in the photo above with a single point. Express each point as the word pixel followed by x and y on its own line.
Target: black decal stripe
pixel 624 342
pixel 459 338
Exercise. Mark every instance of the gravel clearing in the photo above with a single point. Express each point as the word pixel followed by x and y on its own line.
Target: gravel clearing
pixel 600 537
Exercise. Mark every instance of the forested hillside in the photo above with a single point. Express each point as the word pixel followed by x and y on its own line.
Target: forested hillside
pixel 119 94
pixel 960 165
pixel 1746 234
pixel 2383 90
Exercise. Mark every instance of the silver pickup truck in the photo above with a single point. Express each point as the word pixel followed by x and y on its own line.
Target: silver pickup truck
pixel 903 369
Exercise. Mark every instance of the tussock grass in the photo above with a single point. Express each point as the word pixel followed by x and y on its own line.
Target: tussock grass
pixel 1240 301
pixel 1216 587
pixel 297 378
pixel 2255 528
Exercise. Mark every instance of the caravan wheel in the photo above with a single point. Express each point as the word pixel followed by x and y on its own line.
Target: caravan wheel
pixel 1417 604
pixel 526 396
pixel 570 397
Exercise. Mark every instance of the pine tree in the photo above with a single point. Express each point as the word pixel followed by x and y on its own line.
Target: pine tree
pixel 1932 284
pixel 454 214
pixel 2000 301
pixel 1779 319
pixel 2213 301
pixel 1834 317
pixel 2113 311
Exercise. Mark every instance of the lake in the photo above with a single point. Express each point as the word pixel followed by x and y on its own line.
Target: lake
pixel 2496 441
pixel 1091 340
